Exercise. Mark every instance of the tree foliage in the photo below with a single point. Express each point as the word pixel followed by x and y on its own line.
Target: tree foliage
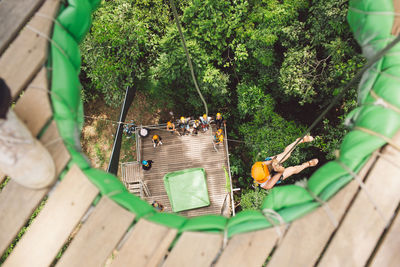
pixel 270 66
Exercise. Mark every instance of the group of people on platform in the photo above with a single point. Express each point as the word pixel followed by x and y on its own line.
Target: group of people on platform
pixel 190 125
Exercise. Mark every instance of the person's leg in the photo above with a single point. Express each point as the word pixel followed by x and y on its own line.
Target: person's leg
pixel 280 156
pixel 299 168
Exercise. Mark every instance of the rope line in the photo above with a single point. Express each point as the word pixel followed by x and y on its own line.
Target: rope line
pixel 326 208
pixel 388 159
pixel 387 139
pixel 363 188
pixel 45 36
pixel 272 216
pixel 356 77
pixel 187 55
pixel 383 102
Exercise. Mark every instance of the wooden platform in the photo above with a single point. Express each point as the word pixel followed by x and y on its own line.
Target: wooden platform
pixel 70 230
pixel 183 152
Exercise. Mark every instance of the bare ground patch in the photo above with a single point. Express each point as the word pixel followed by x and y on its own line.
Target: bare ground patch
pixel 101 124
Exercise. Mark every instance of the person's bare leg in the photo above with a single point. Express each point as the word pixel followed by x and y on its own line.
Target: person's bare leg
pixel 280 156
pixel 299 168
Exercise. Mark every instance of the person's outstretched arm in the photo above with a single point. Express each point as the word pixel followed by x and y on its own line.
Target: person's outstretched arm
pixel 271 182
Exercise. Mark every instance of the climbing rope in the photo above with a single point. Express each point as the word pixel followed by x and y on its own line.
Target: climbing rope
pixel 187 55
pixel 369 64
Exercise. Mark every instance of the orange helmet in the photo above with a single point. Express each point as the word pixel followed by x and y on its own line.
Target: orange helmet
pixel 169 123
pixel 155 137
pixel 260 172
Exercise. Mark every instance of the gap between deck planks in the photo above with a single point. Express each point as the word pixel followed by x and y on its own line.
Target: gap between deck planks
pixel 388 252
pixel 362 226
pixel 28 52
pixel 313 231
pixel 13 16
pixel 98 236
pixel 51 228
pixel 146 245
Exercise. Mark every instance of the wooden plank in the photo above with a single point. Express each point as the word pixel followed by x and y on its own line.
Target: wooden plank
pixel 33 108
pixel 27 54
pixel 189 152
pixel 301 233
pixel 54 144
pixel 13 16
pixel 98 236
pixel 146 245
pixel 388 253
pixel 18 202
pixel 351 246
pixel 62 212
pixel 249 249
pixel 194 249
pixel 396 22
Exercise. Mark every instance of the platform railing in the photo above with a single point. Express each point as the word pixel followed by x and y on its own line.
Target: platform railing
pixel 229 170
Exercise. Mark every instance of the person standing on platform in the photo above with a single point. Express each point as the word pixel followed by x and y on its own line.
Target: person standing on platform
pixel 146 164
pixel 156 140
pixel 219 121
pixel 184 125
pixel 205 122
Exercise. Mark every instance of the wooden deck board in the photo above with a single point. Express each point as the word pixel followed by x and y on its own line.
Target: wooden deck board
pixel 388 253
pixel 302 231
pixel 98 236
pixel 62 212
pixel 194 249
pixel 28 52
pixel 182 152
pixel 362 227
pixel 33 108
pixel 13 16
pixel 249 249
pixel 54 144
pixel 19 202
pixel 146 245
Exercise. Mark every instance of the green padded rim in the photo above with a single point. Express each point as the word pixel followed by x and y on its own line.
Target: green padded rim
pixel 372 30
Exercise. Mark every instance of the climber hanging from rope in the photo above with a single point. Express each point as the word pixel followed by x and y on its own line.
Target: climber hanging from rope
pixel 270 172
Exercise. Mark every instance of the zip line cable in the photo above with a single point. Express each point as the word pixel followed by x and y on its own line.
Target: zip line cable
pixel 187 54
pixel 371 62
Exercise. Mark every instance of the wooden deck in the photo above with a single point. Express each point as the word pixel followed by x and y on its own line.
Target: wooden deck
pixel 183 152
pixel 104 234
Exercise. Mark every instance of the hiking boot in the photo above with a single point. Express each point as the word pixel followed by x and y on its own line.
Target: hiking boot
pixel 23 157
